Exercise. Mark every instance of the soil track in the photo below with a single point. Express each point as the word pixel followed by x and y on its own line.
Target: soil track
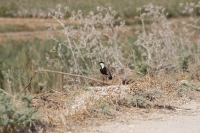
pixel 185 119
pixel 37 26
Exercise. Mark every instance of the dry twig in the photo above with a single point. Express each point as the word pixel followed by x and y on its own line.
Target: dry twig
pixel 58 72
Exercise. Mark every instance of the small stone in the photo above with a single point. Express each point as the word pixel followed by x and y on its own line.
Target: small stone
pixel 197 89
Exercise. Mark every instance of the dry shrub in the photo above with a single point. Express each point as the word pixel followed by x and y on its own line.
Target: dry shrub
pixel 160 43
pixel 167 44
pixel 88 39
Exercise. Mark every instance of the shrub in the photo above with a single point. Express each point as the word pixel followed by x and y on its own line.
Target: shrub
pixel 89 39
pixel 184 64
pixel 138 101
pixel 105 107
pixel 191 30
pixel 162 45
pixel 143 68
pixel 16 118
pixel 143 98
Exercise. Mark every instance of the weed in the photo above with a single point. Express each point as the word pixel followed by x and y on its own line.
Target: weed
pixel 184 64
pixel 143 68
pixel 138 101
pixel 105 107
pixel 16 117
pixel 143 99
pixel 152 94
pixel 181 92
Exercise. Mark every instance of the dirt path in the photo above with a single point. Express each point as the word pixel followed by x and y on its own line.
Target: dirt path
pixel 37 26
pixel 183 120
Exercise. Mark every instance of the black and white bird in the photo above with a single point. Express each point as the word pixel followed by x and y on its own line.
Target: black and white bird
pixel 105 71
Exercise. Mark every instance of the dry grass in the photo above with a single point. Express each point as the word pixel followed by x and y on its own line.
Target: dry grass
pixel 66 105
pixel 77 106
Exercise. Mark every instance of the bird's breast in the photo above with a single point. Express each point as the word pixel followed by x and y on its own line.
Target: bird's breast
pixel 103 71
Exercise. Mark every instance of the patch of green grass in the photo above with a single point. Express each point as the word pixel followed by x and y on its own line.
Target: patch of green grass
pixel 126 8
pixel 18 59
pixel 17 28
pixel 8 9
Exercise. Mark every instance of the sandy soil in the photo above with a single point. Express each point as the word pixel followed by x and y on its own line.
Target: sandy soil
pixel 185 119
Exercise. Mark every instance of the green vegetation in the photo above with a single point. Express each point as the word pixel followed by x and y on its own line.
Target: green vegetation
pixel 105 107
pixel 19 59
pixel 143 99
pixel 126 8
pixel 143 68
pixel 16 118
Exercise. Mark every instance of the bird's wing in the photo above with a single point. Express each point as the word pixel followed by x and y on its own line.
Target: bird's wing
pixel 109 71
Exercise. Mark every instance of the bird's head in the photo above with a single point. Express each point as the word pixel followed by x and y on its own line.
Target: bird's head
pixel 102 65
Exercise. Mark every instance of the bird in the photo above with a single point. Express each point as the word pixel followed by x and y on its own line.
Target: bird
pixel 105 71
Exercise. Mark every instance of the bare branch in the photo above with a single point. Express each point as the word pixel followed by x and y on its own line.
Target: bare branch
pixel 6 93
pixel 28 83
pixel 58 72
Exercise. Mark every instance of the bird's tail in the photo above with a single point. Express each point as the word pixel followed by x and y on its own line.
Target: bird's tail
pixel 110 77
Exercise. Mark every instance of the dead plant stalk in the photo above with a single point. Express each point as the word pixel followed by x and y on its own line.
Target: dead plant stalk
pixel 58 72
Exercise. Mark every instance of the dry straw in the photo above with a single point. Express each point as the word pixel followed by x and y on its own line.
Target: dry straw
pixel 56 111
pixel 59 107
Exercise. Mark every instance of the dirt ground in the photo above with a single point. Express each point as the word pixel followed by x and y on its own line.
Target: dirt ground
pixel 185 119
pixel 182 119
pixel 37 26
